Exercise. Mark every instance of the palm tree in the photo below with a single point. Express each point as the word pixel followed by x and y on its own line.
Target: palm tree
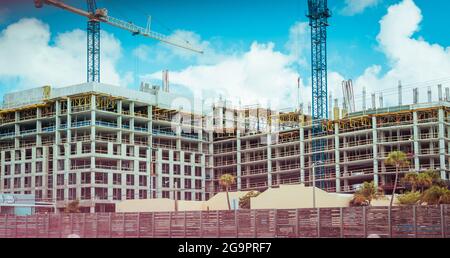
pixel 244 201
pixel 399 160
pixel 424 180
pixel 73 207
pixel 412 179
pixel 369 191
pixel 436 195
pixel 226 180
pixel 365 194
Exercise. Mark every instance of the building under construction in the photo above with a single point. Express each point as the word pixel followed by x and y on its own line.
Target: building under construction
pixel 101 144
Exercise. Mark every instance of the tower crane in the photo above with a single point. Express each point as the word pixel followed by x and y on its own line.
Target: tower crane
pixel 96 16
pixel 318 14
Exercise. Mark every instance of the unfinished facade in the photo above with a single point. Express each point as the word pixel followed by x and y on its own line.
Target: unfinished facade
pixel 355 149
pixel 101 144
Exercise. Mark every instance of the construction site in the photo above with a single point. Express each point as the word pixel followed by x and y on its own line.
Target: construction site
pixel 102 144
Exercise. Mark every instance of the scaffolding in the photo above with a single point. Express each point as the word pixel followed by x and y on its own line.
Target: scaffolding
pixel 163 114
pixel 106 103
pixel 80 103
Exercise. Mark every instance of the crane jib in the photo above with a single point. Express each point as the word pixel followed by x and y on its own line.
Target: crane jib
pixel 95 16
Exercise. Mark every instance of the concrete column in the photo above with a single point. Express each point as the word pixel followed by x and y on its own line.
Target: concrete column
pixel 69 120
pixel 269 160
pixel 57 121
pixel 375 151
pixel 429 94
pixel 55 170
pixel 178 133
pixel 136 174
pixel 171 178
pixel 150 125
pixel 110 186
pixel 17 131
pixel 150 179
pixel 337 157
pixel 38 128
pixel 132 122
pixel 93 117
pixel 238 160
pixel 119 121
pixel 442 144
pixel 159 173
pixel 203 176
pixel 416 142
pixel 302 154
pixel 93 131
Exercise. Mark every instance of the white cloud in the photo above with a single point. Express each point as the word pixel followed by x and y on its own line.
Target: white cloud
pixel 259 75
pixel 299 43
pixel 166 54
pixel 410 60
pixel 29 59
pixel 353 7
pixel 142 52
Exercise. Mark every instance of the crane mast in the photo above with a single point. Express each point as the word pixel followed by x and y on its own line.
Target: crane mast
pixel 93 45
pixel 95 17
pixel 318 14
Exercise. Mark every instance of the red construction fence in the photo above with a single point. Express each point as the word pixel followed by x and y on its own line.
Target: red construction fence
pixel 352 222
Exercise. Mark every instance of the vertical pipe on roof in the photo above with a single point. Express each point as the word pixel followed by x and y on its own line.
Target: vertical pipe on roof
pixel 364 99
pixel 429 94
pixel 374 105
pixel 440 92
pixel 381 99
pixel 415 96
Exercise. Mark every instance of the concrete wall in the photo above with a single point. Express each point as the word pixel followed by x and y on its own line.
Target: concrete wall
pixel 284 197
pixel 218 202
pixel 158 205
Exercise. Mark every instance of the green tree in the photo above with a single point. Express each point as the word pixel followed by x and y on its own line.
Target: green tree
pixel 436 178
pixel 364 195
pixel 445 198
pixel 73 207
pixel 399 160
pixel 244 201
pixel 226 180
pixel 411 179
pixel 424 180
pixel 436 195
pixel 410 198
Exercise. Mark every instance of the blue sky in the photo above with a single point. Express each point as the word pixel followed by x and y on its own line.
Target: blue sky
pixel 229 28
